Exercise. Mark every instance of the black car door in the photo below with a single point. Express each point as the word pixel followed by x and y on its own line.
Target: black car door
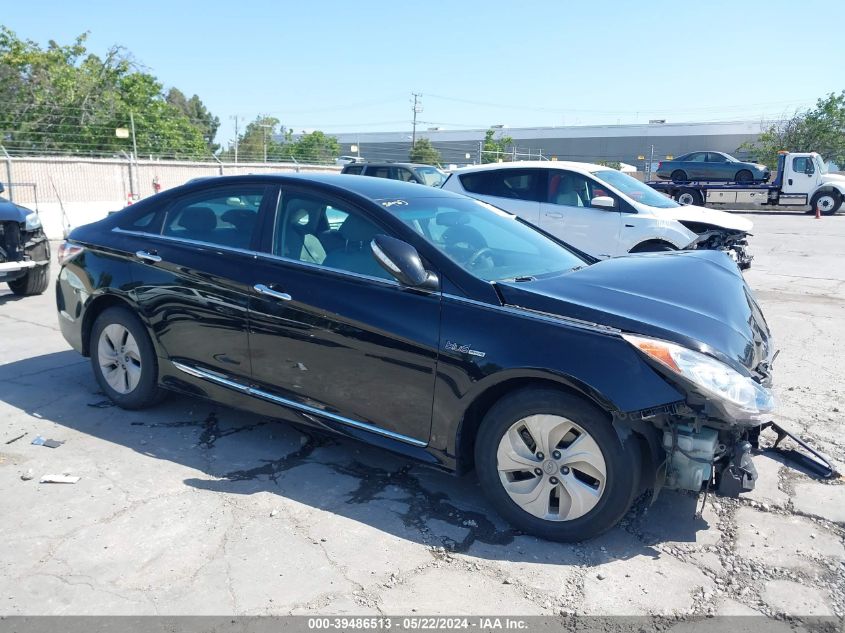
pixel 331 333
pixel 193 280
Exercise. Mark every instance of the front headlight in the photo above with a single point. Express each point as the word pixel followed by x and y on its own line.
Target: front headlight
pixel 713 377
pixel 32 222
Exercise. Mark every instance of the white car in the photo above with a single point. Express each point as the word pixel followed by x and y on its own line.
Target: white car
pixel 600 210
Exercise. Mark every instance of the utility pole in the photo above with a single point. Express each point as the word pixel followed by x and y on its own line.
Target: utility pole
pixel 133 181
pixel 134 143
pixel 480 150
pixel 237 138
pixel 417 110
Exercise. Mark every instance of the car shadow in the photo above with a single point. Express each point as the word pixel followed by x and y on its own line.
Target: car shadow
pixel 7 296
pixel 243 454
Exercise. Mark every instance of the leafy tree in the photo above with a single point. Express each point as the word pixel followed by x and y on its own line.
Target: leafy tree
pixel 495 149
pixel 64 99
pixel 315 147
pixel 820 129
pixel 424 152
pixel 259 137
pixel 197 114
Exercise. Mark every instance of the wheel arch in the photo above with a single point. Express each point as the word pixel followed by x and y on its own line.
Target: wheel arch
pixel 492 393
pixel 95 308
pixel 829 187
pixel 652 241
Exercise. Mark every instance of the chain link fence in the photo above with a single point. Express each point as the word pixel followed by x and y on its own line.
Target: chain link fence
pixel 68 191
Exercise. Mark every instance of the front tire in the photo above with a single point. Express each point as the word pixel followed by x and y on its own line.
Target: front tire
pixel 828 202
pixel 553 466
pixel 744 176
pixel 124 361
pixel 33 283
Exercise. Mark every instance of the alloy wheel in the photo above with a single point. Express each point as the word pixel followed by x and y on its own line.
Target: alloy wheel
pixel 551 467
pixel 119 358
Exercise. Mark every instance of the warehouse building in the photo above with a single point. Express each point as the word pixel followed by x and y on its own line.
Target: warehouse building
pixel 636 144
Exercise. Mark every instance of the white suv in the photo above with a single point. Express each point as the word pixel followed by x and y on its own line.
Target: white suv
pixel 600 210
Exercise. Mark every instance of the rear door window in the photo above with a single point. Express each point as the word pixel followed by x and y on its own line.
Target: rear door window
pixel 225 216
pixel 353 169
pixel 517 184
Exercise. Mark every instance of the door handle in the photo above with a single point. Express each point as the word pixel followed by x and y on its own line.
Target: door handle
pixel 554 214
pixel 266 290
pixel 150 258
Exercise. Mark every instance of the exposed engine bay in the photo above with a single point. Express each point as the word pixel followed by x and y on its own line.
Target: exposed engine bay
pixel 733 243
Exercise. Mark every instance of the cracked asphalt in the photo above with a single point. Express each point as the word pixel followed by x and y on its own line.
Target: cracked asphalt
pixel 194 508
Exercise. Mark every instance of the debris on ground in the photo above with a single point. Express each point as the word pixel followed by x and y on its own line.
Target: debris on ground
pixel 102 404
pixel 15 439
pixel 59 479
pixel 40 441
pixel 29 474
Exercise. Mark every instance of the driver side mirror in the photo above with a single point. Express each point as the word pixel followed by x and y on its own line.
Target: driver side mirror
pixel 603 202
pixel 2 188
pixel 403 262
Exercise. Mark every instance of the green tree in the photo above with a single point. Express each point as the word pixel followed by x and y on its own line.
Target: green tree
pixel 314 147
pixel 424 152
pixel 258 140
pixel 197 114
pixel 64 99
pixel 495 149
pixel 820 129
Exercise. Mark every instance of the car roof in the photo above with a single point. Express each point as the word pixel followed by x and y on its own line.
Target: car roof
pixel 387 163
pixel 370 188
pixel 545 164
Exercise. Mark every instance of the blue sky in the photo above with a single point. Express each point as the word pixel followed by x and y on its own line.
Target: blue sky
pixel 351 66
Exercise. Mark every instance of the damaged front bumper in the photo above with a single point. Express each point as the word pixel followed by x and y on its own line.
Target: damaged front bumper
pixel 697 456
pixel 733 243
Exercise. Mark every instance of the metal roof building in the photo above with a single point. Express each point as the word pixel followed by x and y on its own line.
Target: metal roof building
pixel 634 144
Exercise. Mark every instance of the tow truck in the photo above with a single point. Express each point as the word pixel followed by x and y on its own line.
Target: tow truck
pixel 802 179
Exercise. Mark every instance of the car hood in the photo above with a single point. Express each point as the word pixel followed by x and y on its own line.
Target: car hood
pixel 9 211
pixel 697 299
pixel 713 217
pixel 835 178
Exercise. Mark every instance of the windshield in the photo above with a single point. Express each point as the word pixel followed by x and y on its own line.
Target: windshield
pixel 431 176
pixel 483 240
pixel 634 189
pixel 821 165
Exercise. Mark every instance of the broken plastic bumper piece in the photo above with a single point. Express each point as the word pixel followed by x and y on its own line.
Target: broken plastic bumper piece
pixel 806 458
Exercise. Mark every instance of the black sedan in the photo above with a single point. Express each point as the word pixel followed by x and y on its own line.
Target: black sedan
pixel 711 166
pixel 433 325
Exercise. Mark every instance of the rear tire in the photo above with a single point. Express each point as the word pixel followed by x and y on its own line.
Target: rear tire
pixel 679 175
pixel 124 360
pixel 743 175
pixel 828 201
pixel 688 196
pixel 577 481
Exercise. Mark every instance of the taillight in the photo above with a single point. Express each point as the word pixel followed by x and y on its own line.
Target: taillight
pixel 67 251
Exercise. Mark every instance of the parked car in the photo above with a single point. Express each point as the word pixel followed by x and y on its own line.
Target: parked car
pixel 24 249
pixel 407 172
pixel 711 166
pixel 432 325
pixel 600 210
pixel 345 160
